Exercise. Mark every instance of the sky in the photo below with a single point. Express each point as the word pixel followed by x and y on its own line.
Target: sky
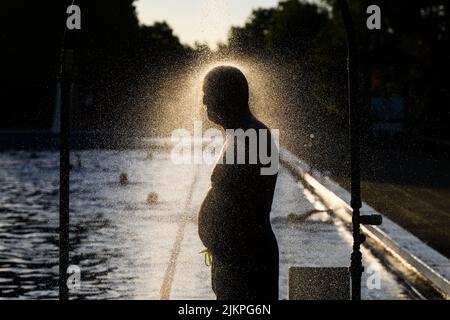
pixel 199 20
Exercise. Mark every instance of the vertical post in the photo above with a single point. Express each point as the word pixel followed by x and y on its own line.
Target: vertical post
pixel 64 190
pixel 356 268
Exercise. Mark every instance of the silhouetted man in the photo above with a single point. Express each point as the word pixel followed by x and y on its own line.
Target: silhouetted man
pixel 234 219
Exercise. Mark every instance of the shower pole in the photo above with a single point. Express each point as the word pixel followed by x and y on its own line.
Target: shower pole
pixel 65 80
pixel 356 268
pixel 66 88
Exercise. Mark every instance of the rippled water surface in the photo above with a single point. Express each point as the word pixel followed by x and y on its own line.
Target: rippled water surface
pixel 130 248
pixel 29 224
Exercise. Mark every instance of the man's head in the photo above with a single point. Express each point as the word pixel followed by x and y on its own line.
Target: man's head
pixel 225 90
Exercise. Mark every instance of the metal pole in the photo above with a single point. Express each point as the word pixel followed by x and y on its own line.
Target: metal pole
pixel 64 190
pixel 65 79
pixel 356 267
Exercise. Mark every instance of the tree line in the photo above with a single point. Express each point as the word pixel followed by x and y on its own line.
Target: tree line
pixel 409 56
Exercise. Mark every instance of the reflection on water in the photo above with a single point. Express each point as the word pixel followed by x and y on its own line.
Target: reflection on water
pixel 131 248
pixel 29 224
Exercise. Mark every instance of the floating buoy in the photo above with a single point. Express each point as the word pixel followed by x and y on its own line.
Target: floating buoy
pixel 123 179
pixel 152 198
